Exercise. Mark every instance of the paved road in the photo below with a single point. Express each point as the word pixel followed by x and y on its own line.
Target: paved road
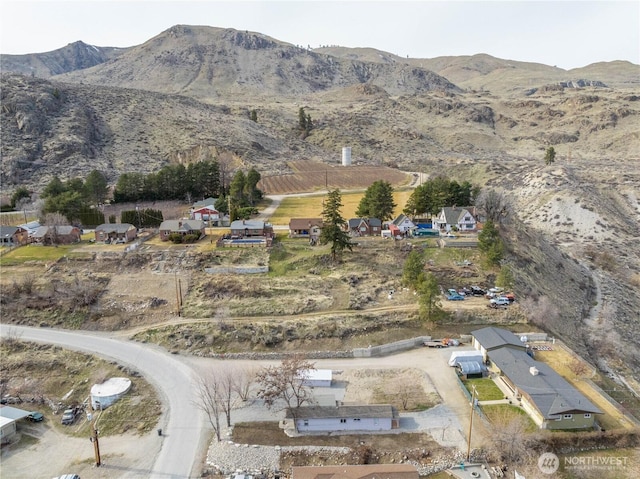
pixel 183 425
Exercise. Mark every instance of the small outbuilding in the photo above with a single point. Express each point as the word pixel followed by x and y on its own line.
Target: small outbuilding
pixel 105 394
pixel 8 418
pixel 317 378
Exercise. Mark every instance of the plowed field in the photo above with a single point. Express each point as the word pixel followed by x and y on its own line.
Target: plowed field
pixel 311 176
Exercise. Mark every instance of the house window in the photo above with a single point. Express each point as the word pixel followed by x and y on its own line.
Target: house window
pixel 343 421
pixel 306 422
pixel 587 416
pixel 467 218
pixel 567 416
pixel 356 419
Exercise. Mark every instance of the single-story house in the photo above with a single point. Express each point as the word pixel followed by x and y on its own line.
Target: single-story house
pixel 404 223
pixel 305 227
pixel 344 418
pixel 248 228
pixel 116 232
pixel 8 419
pixel 490 338
pixel 59 234
pixel 369 471
pixel 452 216
pixel 364 226
pixel 181 227
pixel 549 399
pixel 13 235
pixel 208 202
pixel 320 378
pixel 208 214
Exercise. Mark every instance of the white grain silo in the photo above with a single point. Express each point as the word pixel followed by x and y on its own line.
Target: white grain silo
pixel 346 156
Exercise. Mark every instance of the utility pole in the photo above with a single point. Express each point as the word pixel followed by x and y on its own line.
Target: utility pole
pixel 177 293
pixel 473 403
pixel 96 444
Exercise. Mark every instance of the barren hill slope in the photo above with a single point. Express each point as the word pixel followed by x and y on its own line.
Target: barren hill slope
pixel 210 63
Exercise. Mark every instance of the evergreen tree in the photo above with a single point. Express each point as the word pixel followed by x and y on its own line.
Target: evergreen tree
pixel 20 194
pixel 550 155
pixel 490 243
pixel 254 116
pixel 332 225
pixel 95 187
pixel 236 189
pixel 413 269
pixel 53 188
pixel 429 296
pixel 377 202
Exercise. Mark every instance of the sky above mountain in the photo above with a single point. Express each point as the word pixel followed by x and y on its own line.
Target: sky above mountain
pixel 567 34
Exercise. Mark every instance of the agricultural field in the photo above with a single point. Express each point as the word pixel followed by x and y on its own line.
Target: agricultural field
pixel 309 176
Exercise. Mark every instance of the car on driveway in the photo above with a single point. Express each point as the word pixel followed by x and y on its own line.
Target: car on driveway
pixel 455 297
pixel 68 416
pixel 499 301
pixel 35 417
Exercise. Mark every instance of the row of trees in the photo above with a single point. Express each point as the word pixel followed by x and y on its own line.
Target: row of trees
pixel 172 182
pixel 431 196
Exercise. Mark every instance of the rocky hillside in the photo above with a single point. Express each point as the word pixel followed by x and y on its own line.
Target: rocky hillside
pixel 75 56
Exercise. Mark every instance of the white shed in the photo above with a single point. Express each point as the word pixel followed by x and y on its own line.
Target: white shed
pixel 105 394
pixel 318 378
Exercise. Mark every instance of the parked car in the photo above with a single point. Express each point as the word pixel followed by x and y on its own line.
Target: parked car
pixel 499 301
pixel 68 476
pixel 35 417
pixel 455 297
pixel 477 291
pixel 68 416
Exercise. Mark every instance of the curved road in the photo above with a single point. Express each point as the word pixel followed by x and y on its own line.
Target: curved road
pixel 183 424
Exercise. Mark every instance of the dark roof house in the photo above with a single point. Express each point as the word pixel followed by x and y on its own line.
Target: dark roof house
pixel 13 235
pixel 305 227
pixel 490 338
pixel 364 226
pixel 551 401
pixel 181 227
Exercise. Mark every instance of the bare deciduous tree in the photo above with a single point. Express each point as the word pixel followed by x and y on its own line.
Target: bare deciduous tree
pixel 510 441
pixel 243 379
pixel 541 311
pixel 285 383
pixel 494 205
pixel 209 398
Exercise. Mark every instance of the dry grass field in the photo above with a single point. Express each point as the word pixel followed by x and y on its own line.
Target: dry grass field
pixel 311 206
pixel 565 363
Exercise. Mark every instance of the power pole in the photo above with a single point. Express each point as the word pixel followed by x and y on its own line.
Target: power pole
pixel 177 293
pixel 96 444
pixel 473 403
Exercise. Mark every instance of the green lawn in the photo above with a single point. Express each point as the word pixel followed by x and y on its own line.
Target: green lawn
pixel 35 253
pixel 486 389
pixel 501 414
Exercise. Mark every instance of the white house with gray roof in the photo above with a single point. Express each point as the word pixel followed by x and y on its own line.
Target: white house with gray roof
pixel 382 417
pixel 454 216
